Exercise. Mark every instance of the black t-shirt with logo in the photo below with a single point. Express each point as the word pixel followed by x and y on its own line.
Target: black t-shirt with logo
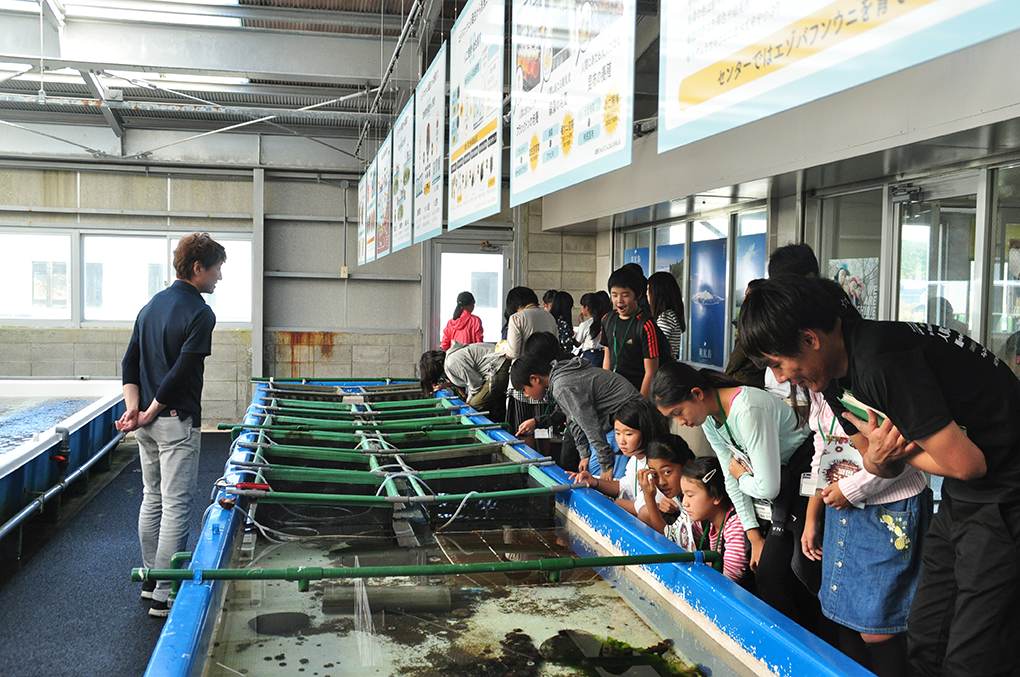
pixel 925 377
pixel 630 341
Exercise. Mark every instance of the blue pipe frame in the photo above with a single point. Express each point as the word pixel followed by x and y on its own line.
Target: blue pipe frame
pixel 772 639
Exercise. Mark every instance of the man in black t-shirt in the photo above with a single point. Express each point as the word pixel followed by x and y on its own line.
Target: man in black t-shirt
pixel 163 372
pixel 634 344
pixel 953 409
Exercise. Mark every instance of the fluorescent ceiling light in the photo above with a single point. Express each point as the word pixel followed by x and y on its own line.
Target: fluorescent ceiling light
pixel 83 11
pixel 171 79
pixel 19 6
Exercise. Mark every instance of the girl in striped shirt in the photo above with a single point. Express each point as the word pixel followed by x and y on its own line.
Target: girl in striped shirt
pixel 667 304
pixel 714 519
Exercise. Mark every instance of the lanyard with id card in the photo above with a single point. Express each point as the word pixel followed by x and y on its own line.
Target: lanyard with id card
pixel 762 507
pixel 840 459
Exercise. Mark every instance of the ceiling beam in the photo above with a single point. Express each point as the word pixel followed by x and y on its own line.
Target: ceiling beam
pixel 321 17
pixel 199 109
pixel 112 117
pixel 287 56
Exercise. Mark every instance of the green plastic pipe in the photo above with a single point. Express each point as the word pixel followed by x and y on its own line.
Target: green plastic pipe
pixel 178 561
pixel 350 414
pixel 330 454
pixel 373 463
pixel 305 574
pixel 334 476
pixel 309 432
pixel 399 425
pixel 360 499
pixel 374 406
pixel 304 381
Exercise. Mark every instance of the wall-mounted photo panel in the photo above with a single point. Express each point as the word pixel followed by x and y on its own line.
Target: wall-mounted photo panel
pixel 362 217
pixel 403 178
pixel 370 204
pixel 430 149
pixel 572 93
pixel 725 63
pixel 476 112
pixel 384 184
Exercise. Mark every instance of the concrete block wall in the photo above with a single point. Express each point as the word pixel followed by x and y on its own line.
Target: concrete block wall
pixel 27 352
pixel 328 354
pixel 558 260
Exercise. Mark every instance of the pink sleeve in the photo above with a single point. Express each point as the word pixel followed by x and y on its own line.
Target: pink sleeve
pixel 445 343
pixel 817 405
pixel 735 561
pixel 477 333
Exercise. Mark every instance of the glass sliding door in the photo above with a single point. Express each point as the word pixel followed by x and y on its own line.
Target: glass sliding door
pixel 937 270
pixel 851 246
pixel 1004 314
pixel 636 249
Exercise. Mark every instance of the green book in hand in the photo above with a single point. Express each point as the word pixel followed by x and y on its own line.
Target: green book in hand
pixel 858 408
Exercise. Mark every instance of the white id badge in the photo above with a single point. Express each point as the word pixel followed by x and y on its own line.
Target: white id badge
pixel 809 485
pixel 763 509
pixel 543 433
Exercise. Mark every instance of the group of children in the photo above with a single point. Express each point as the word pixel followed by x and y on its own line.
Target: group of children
pixel 826 516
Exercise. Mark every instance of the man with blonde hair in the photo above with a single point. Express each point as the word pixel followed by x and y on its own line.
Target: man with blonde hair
pixel 162 379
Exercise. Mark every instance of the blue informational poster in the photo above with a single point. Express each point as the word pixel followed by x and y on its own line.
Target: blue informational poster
pixel 725 63
pixel 476 112
pixel 670 258
pixel 430 149
pixel 708 301
pixel 638 256
pixel 572 93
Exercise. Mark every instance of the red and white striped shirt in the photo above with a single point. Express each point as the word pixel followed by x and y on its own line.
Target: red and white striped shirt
pixel 735 557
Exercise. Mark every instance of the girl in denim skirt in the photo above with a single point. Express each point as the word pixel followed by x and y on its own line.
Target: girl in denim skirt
pixel 871 550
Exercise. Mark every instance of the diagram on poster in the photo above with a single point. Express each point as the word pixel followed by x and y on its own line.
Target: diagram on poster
pixel 384 182
pixel 403 170
pixel 362 216
pixel 476 112
pixel 572 93
pixel 430 149
pixel 725 63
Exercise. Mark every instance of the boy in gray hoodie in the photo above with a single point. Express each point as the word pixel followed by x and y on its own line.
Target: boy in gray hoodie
pixel 589 396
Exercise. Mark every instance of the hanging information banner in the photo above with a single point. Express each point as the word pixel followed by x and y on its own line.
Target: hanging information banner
pixel 476 112
pixel 362 217
pixel 430 149
pixel 384 182
pixel 370 205
pixel 403 170
pixel 725 63
pixel 572 93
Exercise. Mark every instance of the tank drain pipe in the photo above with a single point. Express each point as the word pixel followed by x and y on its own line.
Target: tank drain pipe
pixel 305 574
pixel 39 503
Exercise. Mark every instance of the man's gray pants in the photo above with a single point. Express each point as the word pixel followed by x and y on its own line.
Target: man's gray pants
pixel 168 449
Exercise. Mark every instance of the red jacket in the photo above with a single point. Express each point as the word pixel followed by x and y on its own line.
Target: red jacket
pixel 465 329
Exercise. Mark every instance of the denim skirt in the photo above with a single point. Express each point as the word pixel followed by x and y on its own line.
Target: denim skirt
pixel 871 562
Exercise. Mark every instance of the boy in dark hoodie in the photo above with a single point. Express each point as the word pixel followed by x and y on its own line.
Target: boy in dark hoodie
pixel 589 396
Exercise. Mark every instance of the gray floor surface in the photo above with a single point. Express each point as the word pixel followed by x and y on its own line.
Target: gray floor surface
pixel 72 609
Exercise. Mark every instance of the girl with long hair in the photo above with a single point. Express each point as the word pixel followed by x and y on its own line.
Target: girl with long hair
pixel 667 304
pixel 763 448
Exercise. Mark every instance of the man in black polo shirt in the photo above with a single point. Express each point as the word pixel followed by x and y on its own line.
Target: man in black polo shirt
pixel 162 378
pixel 953 409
